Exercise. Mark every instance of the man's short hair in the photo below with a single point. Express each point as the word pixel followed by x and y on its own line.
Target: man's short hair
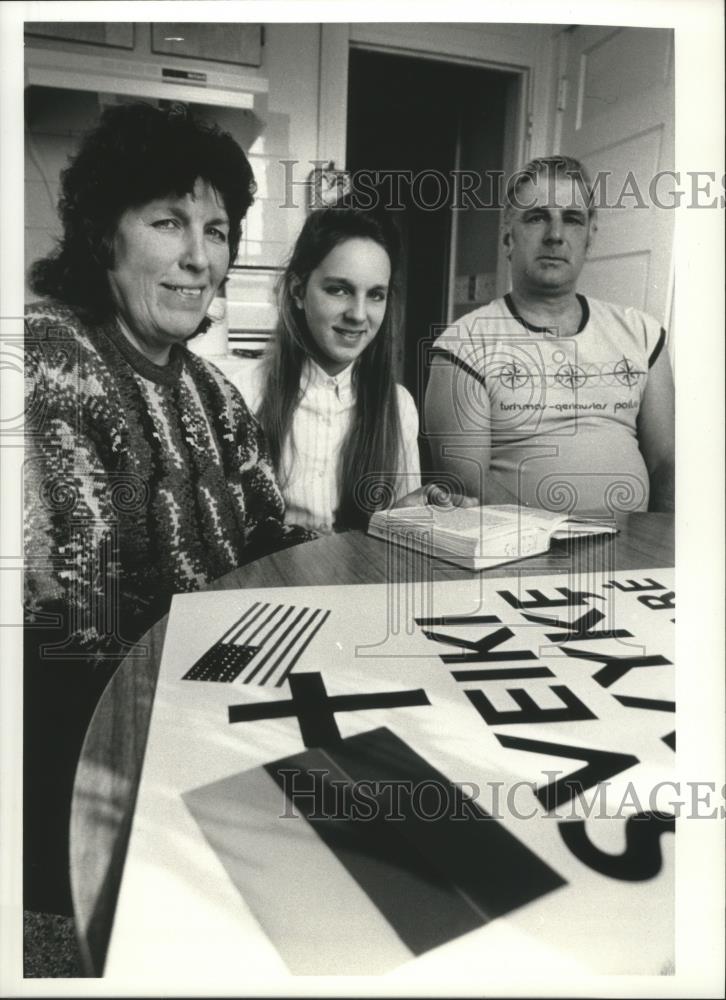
pixel 555 166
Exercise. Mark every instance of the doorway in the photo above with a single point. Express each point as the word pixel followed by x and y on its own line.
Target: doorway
pixel 419 125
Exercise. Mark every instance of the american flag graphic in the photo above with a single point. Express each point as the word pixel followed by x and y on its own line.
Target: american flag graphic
pixel 264 644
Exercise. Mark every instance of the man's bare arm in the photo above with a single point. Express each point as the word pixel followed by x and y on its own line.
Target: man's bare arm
pixel 456 423
pixel 656 434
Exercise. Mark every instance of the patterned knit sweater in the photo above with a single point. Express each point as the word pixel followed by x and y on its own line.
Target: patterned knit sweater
pixel 140 481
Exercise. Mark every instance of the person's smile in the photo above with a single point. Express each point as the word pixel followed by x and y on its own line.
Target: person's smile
pixel 352 335
pixel 170 257
pixel 192 293
pixel 344 301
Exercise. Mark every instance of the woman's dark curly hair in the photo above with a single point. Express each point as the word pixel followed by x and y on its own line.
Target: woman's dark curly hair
pixel 135 154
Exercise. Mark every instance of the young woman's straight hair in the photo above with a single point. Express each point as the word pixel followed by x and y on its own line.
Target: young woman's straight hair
pixel 372 451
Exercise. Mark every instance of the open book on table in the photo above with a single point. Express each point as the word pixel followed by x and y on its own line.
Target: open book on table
pixel 479 537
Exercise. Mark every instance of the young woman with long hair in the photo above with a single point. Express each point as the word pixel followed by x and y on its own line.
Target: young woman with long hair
pixel 342 434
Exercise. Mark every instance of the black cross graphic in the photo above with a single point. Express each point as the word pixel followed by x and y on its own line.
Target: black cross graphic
pixel 315 710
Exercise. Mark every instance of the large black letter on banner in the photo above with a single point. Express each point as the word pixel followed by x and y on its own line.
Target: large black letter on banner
pixel 601 764
pixel 615 666
pixel 572 709
pixel 641 859
pixel 484 650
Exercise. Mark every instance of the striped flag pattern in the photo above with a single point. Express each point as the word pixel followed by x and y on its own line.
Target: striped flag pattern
pixel 264 644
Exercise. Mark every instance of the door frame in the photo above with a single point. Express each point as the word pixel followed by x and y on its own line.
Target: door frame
pixel 527 52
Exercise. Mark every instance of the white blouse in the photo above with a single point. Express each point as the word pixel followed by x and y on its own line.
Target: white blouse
pixel 309 461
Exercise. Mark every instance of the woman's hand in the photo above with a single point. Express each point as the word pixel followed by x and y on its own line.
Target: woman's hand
pixel 435 495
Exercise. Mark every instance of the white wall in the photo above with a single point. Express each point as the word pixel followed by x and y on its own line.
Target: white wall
pixel 282 126
pixel 304 115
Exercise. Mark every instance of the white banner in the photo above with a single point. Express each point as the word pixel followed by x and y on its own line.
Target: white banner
pixel 408 781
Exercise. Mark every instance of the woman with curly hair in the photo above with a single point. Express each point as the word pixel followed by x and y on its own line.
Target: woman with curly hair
pixel 145 473
pixel 343 435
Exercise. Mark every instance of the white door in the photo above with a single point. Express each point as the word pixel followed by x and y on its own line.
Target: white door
pixel 617 116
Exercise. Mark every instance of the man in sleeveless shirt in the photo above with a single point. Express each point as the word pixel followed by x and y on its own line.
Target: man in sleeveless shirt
pixel 548 397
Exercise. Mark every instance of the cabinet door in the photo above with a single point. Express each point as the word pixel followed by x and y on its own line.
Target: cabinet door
pixel 116 35
pixel 231 43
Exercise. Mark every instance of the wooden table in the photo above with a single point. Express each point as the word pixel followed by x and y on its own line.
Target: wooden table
pixel 110 766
